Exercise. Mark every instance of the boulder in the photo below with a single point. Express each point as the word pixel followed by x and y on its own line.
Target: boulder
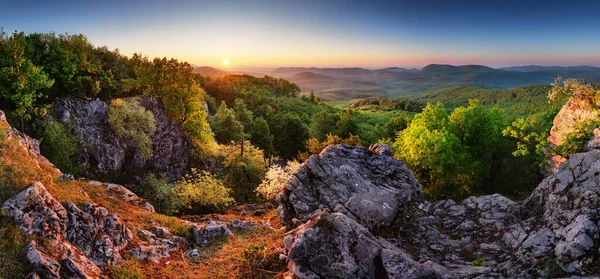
pixel 83 241
pixel 369 186
pixel 564 123
pixel 211 230
pixel 44 266
pixel 358 213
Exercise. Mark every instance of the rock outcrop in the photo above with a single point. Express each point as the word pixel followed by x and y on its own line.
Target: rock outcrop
pixel 358 213
pixel 103 153
pixel 69 234
pixel 565 122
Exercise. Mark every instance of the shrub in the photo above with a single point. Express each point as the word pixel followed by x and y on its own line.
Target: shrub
pixel 243 171
pixel 159 192
pixel 59 144
pixel 131 121
pixel 200 190
pixel 275 179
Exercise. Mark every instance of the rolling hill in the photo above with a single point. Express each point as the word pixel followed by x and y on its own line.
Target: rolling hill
pixel 342 84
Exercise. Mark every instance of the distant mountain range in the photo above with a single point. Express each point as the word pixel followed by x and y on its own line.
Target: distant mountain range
pixel 340 84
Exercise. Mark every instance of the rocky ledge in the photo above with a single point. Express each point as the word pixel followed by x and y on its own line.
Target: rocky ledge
pixel 354 212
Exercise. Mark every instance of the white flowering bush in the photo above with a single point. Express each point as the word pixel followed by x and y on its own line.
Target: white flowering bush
pixel 275 180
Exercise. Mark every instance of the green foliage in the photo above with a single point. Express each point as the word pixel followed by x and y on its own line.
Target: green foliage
pixel 479 261
pixel 243 172
pixel 451 154
pixel 397 124
pixel 520 101
pixel 314 146
pixel 531 133
pixel 13 262
pixel 21 82
pixel 275 180
pixel 346 126
pixel 225 125
pixel 574 142
pixel 383 103
pixel 292 135
pixel 159 192
pixel 480 131
pixel 129 120
pixel 577 89
pixel 244 116
pixel 59 144
pixel 201 190
pixel 174 83
pixel 261 136
pixel 323 123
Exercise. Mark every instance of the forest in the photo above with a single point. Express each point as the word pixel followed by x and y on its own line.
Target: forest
pixel 249 132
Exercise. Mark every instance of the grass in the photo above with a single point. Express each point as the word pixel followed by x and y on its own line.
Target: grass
pixel 175 225
pixel 13 262
pixel 252 253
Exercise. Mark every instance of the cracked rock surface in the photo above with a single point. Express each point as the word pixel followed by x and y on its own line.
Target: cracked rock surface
pixel 354 212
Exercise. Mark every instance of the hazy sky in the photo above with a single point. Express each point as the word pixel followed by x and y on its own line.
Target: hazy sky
pixel 264 33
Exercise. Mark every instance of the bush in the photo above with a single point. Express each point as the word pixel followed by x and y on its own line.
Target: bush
pixel 243 171
pixel 159 192
pixel 131 121
pixel 275 179
pixel 200 190
pixel 59 144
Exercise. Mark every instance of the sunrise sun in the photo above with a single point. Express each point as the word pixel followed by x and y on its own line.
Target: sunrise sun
pixel 225 61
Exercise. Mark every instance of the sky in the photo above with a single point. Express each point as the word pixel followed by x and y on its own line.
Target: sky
pixel 322 33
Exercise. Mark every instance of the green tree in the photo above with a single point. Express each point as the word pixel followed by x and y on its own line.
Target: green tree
pixel 480 131
pixel 435 154
pixel 397 124
pixel 225 125
pixel 174 83
pixel 21 82
pixel 323 123
pixel 292 135
pixel 243 172
pixel 346 126
pixel 261 136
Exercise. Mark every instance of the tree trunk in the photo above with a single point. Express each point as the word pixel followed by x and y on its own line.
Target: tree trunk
pixel 242 149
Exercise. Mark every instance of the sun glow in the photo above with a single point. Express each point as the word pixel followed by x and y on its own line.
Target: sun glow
pixel 225 61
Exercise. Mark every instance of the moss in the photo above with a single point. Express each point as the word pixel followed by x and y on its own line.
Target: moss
pixel 479 261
